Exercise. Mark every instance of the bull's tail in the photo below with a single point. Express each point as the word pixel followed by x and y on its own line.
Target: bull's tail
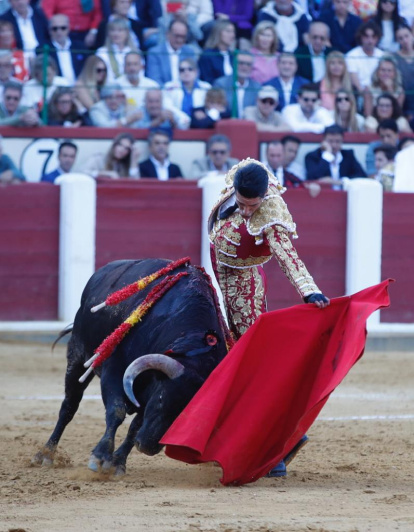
pixel 63 333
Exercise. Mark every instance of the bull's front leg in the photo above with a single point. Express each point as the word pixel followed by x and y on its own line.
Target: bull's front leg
pixel 121 454
pixel 114 400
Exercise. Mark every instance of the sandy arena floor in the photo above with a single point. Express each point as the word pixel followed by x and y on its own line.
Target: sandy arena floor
pixel 356 473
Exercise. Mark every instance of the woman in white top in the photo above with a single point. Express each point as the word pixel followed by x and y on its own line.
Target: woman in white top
pixel 189 92
pixel 388 19
pixel 117 44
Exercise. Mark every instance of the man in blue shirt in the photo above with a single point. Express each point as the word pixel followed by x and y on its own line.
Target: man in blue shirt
pixel 66 156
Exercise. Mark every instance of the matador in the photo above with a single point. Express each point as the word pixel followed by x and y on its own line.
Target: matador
pixel 248 226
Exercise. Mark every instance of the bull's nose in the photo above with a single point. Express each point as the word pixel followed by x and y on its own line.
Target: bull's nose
pixel 148 450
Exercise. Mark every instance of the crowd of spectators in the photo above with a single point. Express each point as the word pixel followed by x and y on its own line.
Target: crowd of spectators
pixel 286 65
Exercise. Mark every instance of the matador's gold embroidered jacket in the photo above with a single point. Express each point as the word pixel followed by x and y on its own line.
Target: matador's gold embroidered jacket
pixel 240 243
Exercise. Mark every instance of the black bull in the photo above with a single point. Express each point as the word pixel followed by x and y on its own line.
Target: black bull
pixel 184 323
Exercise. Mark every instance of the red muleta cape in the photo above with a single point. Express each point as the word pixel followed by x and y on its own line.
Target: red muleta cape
pixel 263 397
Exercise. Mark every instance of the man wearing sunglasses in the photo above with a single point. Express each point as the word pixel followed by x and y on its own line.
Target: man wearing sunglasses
pixel 12 113
pixel 66 52
pixel 217 161
pixel 306 116
pixel 311 57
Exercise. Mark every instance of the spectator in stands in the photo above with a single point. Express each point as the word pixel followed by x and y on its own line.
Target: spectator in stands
pixel 275 156
pixel 90 81
pixel 216 60
pixel 34 89
pixel 343 25
pixel 363 59
pixel 405 62
pixel 111 110
pixel 12 112
pixel 8 42
pixel 66 156
pixel 365 9
pixel 264 113
pixel 384 165
pixel 265 45
pixel 291 145
pixel 118 43
pixel 311 57
pixel 68 54
pixel 163 59
pixel 158 164
pixel 29 24
pixel 9 174
pixel 120 161
pixel 336 77
pixel 217 161
pixel 240 13
pixel 63 111
pixel 306 115
pixel 157 114
pixel 195 14
pixel 189 92
pixel 404 142
pixel 84 17
pixel 345 112
pixel 6 69
pixel 388 19
pixel 386 108
pixel 388 131
pixel 288 83
pixel 133 82
pixel 214 109
pixel 148 13
pixel 291 22
pixel 329 163
pixel 386 78
pixel 120 9
pixel 246 88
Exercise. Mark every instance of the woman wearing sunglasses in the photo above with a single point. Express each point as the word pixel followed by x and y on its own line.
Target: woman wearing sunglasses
pixel 345 111
pixel 90 82
pixel 336 77
pixel 189 92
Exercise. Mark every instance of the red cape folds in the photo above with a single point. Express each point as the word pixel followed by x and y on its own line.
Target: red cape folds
pixel 260 401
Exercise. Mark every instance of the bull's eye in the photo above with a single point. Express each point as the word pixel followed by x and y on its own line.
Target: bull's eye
pixel 211 339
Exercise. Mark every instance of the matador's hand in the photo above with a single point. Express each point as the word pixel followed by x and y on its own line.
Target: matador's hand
pixel 320 300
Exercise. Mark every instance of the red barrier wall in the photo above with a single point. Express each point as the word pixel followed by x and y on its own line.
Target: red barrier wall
pixel 29 251
pixel 321 226
pixel 148 218
pixel 398 256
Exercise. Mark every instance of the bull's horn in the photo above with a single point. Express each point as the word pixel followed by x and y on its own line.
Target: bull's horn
pixel 172 368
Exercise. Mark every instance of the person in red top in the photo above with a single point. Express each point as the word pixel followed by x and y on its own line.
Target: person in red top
pixel 84 15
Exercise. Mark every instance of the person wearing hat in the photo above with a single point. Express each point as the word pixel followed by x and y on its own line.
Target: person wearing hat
pixel 264 113
pixel 111 110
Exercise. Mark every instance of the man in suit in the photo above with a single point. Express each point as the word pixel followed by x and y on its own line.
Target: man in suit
pixel 163 59
pixel 29 24
pixel 158 164
pixel 330 163
pixel 66 157
pixel 247 89
pixel 288 82
pixel 12 112
pixel 67 53
pixel 311 57
pixel 275 158
pixel 218 158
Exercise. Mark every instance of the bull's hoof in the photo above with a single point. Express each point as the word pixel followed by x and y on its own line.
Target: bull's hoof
pixel 42 458
pixel 120 471
pixel 94 464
